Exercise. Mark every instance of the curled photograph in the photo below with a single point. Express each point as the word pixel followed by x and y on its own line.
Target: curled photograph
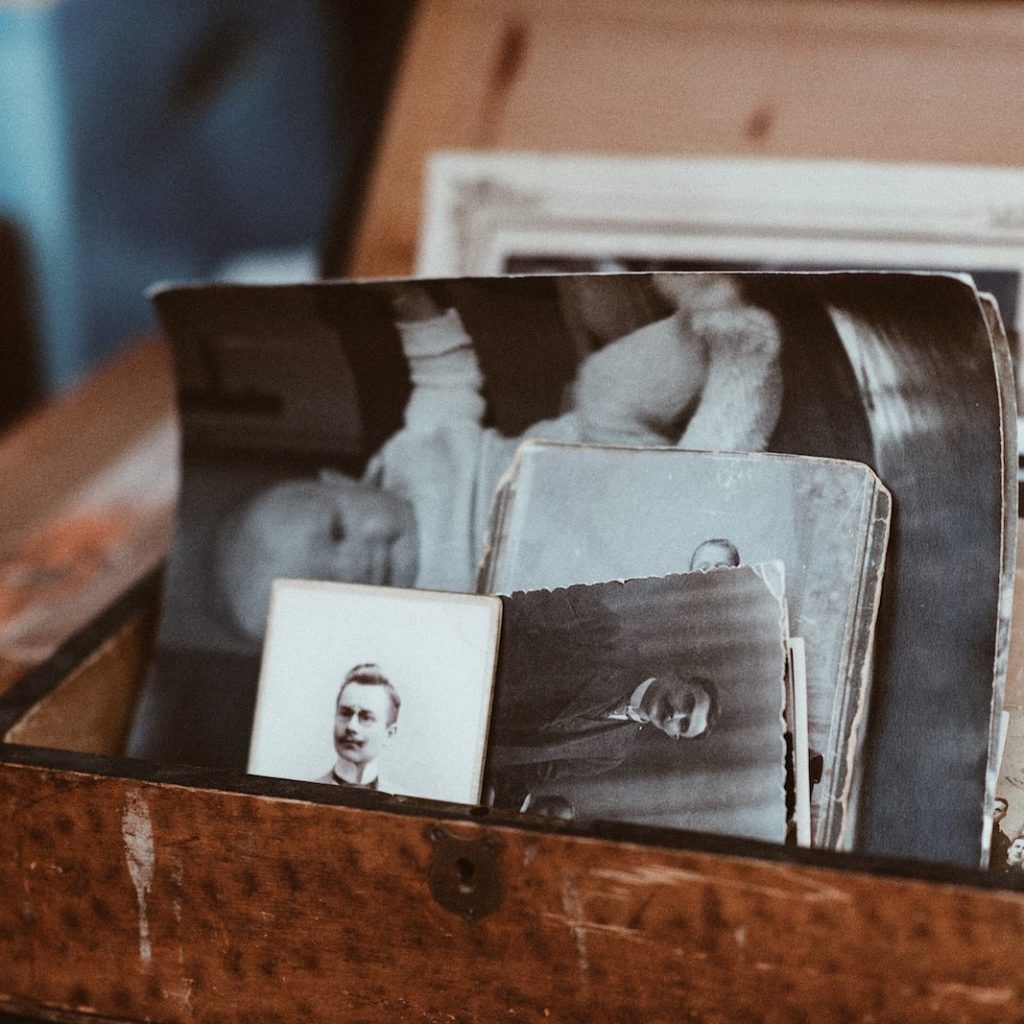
pixel 356 431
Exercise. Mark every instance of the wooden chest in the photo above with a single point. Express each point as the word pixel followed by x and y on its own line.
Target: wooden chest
pixel 130 891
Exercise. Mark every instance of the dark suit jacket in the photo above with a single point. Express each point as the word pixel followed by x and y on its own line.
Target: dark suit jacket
pixel 999 849
pixel 536 743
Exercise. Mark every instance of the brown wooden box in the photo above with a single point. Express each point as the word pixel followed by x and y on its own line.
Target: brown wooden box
pixel 131 891
pixel 135 892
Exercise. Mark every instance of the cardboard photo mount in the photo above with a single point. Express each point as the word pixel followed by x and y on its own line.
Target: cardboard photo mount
pixel 133 891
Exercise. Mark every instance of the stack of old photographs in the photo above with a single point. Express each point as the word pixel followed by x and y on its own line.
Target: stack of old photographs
pixel 578 513
pixel 690 470
pixel 591 686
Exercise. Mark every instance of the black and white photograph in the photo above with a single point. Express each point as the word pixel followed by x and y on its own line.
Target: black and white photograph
pixel 383 469
pixel 514 212
pixel 1009 803
pixel 542 213
pixel 655 701
pixel 376 688
pixel 570 514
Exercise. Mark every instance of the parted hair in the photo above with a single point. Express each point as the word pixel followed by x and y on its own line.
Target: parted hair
pixel 718 542
pixel 370 674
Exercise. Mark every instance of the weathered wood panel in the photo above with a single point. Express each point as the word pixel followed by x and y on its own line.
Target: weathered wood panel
pixel 860 79
pixel 141 900
pixel 71 441
pixel 90 709
pixel 87 489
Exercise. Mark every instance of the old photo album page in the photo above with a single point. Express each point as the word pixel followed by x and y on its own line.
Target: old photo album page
pixel 376 688
pixel 355 432
pixel 653 701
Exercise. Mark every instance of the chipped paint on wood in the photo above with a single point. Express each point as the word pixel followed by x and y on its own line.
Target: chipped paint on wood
pixel 140 855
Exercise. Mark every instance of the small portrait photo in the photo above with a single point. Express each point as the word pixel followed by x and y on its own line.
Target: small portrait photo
pixel 376 688
pixel 654 701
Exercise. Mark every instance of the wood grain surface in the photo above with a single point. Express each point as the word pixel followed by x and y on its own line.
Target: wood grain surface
pixel 87 492
pixel 90 709
pixel 935 82
pixel 128 899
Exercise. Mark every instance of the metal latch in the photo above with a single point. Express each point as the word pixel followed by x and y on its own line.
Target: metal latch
pixel 465 876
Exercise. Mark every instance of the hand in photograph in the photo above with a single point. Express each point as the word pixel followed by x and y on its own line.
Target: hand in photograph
pixel 418 514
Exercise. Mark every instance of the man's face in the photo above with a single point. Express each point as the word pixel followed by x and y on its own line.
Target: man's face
pixel 1015 855
pixel 999 812
pixel 678 707
pixel 361 723
pixel 711 556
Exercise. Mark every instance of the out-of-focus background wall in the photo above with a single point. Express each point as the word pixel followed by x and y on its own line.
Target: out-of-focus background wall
pixel 147 140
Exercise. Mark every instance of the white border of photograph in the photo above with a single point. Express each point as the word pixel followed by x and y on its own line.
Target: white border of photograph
pixel 439 651
pixel 796 720
pixel 483 208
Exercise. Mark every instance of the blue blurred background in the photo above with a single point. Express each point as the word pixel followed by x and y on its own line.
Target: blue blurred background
pixel 146 140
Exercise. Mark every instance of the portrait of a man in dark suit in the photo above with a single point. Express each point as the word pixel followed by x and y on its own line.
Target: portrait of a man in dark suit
pixel 655 700
pixel 603 727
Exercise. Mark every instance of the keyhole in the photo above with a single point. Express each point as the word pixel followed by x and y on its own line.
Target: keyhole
pixel 467 869
pixel 465 875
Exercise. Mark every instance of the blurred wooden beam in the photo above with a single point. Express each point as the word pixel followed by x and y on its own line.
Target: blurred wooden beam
pixel 940 82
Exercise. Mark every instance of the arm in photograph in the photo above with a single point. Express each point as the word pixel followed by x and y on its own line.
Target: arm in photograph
pixel 636 389
pixel 516 765
pixel 446 377
pixel 742 395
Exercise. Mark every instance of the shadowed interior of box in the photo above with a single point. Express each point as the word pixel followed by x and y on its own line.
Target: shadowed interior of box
pixel 82 699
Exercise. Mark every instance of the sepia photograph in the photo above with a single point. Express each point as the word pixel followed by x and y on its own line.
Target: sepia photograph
pixel 656 701
pixel 382 470
pixel 377 689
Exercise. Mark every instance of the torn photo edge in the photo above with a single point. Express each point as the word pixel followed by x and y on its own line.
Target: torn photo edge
pixel 519 641
pixel 834 806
